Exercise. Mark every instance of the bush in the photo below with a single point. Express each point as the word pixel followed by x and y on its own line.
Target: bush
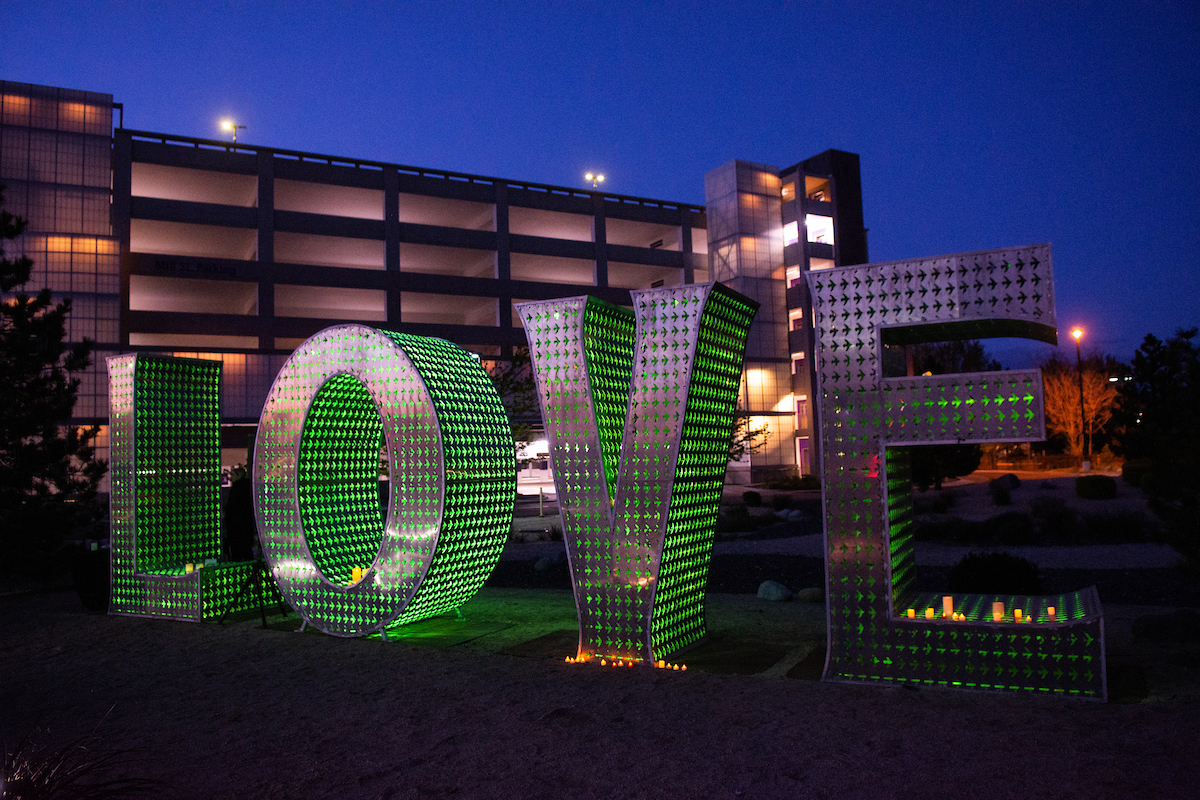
pixel 947 529
pixel 793 482
pixel 752 499
pixel 1133 471
pixel 1054 517
pixel 1001 495
pixel 1096 487
pixel 1008 481
pixel 780 501
pixel 738 519
pixel 1011 528
pixel 1121 526
pixel 994 573
pixel 938 502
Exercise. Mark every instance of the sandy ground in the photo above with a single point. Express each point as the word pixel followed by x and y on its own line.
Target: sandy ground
pixel 478 711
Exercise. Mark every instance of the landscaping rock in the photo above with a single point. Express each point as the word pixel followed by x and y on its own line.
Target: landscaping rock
pixel 774 591
pixel 813 594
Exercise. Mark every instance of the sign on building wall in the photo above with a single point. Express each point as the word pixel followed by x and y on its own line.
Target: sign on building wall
pixel 639 407
pixel 880 628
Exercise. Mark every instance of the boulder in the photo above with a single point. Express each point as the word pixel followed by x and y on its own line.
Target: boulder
pixel 774 591
pixel 813 594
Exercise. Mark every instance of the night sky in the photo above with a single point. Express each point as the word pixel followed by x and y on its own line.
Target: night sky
pixel 990 126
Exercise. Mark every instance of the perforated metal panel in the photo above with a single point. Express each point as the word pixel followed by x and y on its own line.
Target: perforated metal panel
pixel 638 408
pixel 867 422
pixel 452 478
pixel 164 505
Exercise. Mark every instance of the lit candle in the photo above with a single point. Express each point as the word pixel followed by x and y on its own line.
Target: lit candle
pixel 188 568
pixel 947 606
pixel 1016 615
pixel 912 613
pixel 997 612
pixel 1050 612
pixel 356 575
pixel 929 613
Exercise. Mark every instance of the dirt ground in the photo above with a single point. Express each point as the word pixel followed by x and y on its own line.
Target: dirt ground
pixel 487 708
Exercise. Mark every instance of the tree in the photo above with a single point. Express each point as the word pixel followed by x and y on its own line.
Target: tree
pixel 1060 391
pixel 515 383
pixel 48 473
pixel 1159 423
pixel 747 439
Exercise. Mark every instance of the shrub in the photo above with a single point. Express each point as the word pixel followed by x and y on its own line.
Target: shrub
pixel 792 482
pixel 938 502
pixel 1011 528
pixel 994 573
pixel 1001 495
pixel 947 529
pixel 1095 487
pixel 752 499
pixel 1008 481
pixel 1121 526
pixel 1054 516
pixel 736 520
pixel 780 501
pixel 1133 471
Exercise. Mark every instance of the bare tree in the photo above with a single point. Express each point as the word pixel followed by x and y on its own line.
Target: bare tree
pixel 1060 382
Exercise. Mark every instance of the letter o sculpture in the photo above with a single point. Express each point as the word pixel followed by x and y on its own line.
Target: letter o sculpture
pixel 348 398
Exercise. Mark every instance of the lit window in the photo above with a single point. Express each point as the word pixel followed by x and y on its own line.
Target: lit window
pixel 791 233
pixel 797 362
pixel 789 192
pixel 820 229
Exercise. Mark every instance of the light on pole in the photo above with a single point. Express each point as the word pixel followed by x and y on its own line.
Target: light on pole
pixel 595 177
pixel 229 126
pixel 1086 466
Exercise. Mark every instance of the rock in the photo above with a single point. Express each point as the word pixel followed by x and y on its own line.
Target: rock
pixel 813 594
pixel 542 564
pixel 774 591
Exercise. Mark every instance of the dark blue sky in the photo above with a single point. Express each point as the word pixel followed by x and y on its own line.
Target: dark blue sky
pixel 986 126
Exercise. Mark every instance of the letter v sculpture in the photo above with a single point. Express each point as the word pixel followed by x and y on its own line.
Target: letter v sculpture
pixel 639 408
pixel 882 628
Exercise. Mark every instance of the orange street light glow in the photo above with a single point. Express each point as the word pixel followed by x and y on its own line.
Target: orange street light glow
pixel 1077 333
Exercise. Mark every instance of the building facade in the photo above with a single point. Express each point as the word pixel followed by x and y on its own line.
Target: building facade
pixel 229 251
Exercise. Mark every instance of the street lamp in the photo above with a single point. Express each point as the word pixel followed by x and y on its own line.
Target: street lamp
pixel 595 178
pixel 1086 465
pixel 229 126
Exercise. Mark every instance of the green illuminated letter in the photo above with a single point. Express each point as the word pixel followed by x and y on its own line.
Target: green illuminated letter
pixel 638 408
pixel 450 463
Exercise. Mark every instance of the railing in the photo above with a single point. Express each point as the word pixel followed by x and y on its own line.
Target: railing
pixel 359 163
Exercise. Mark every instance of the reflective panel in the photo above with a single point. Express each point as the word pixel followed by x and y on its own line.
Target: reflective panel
pixel 164 503
pixel 880 629
pixel 447 451
pixel 638 408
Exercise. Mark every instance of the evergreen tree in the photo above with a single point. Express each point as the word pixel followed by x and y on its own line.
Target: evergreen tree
pixel 48 473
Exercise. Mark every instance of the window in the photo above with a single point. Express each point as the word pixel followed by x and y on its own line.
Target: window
pixel 817 189
pixel 791 233
pixel 820 229
pixel 788 192
pixel 802 412
pixel 797 362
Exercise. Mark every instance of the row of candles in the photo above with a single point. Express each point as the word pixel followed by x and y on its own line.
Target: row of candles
pixel 617 662
pixel 949 613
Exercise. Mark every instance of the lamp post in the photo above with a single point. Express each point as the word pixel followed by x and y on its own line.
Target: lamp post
pixel 229 126
pixel 595 177
pixel 1086 464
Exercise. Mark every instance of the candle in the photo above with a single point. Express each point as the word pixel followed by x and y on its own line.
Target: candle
pixel 187 568
pixel 912 613
pixel 929 613
pixel 997 612
pixel 1050 611
pixel 356 575
pixel 947 607
pixel 1016 615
